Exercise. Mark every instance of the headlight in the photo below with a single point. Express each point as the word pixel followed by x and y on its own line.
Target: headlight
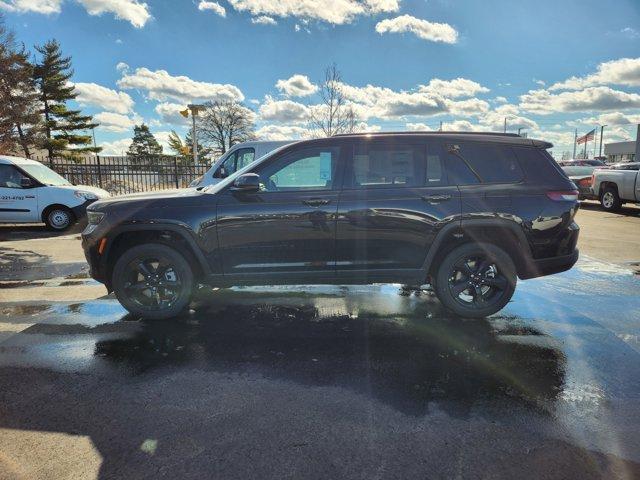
pixel 85 195
pixel 94 218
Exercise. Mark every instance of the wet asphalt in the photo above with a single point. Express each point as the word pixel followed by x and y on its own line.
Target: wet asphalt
pixel 338 382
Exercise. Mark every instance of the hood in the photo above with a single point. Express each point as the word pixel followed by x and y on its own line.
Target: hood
pixel 185 197
pixel 100 193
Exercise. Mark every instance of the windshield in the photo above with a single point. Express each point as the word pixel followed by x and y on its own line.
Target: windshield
pixel 45 175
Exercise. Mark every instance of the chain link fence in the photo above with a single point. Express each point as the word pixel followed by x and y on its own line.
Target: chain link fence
pixel 121 175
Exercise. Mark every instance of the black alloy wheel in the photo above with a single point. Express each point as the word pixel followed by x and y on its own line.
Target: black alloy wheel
pixel 153 281
pixel 476 280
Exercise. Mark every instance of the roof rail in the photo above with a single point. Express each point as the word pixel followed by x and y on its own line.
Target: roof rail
pixel 498 134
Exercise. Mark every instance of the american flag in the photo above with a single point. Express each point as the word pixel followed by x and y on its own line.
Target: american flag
pixel 587 137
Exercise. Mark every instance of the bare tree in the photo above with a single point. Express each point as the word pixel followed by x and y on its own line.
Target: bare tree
pixel 334 115
pixel 223 124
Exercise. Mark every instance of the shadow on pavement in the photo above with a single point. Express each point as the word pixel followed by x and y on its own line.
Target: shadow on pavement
pixel 266 384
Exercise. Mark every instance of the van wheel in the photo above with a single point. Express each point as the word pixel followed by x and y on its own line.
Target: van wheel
pixel 476 280
pixel 153 281
pixel 610 200
pixel 59 219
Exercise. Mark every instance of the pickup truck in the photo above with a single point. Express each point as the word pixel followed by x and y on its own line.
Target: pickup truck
pixel 616 185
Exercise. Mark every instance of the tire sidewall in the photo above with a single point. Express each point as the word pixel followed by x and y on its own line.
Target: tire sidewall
pixel 616 200
pixel 497 255
pixel 178 262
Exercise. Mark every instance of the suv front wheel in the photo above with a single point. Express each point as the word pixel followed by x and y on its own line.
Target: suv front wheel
pixel 153 281
pixel 476 280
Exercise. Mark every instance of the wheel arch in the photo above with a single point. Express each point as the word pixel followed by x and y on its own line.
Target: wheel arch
pixel 174 236
pixel 502 233
pixel 46 210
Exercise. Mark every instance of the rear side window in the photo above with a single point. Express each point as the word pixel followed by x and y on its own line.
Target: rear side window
pixel 488 163
pixel 385 165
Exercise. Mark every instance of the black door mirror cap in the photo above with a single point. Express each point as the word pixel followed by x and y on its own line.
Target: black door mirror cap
pixel 247 183
pixel 26 182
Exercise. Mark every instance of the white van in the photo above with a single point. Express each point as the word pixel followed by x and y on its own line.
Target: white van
pixel 30 192
pixel 237 157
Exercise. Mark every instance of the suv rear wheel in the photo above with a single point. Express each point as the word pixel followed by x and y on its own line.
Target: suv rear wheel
pixel 153 281
pixel 476 280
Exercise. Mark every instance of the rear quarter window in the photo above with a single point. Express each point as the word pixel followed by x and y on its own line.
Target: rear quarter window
pixel 538 165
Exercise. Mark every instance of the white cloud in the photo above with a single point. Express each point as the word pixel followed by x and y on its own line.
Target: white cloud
pixel 284 111
pixel 631 33
pixel 117 147
pixel 435 32
pixel 337 12
pixel 215 7
pixel 46 7
pixel 160 85
pixel 282 132
pixel 544 102
pixel 467 108
pixel 92 94
pixel 132 11
pixel 263 20
pixel 114 122
pixel 122 67
pixel 624 71
pixel 297 86
pixel 418 127
pixel 170 113
pixel 613 118
pixel 458 87
pixel 500 100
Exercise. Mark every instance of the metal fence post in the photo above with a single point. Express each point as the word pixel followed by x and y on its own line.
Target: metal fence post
pixel 99 171
pixel 175 170
pixel 51 163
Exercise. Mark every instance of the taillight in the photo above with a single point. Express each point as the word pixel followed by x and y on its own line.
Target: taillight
pixel 585 182
pixel 564 195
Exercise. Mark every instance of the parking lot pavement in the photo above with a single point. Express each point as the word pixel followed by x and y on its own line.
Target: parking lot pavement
pixel 329 382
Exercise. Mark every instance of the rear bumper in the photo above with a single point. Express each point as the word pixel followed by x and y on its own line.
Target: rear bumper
pixel 549 266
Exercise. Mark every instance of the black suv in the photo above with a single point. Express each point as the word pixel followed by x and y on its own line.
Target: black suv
pixel 466 213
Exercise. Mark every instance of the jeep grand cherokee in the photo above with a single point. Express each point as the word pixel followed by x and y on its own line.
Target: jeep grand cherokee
pixel 466 213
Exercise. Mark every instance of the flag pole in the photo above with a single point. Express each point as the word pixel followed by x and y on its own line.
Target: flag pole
pixel 575 140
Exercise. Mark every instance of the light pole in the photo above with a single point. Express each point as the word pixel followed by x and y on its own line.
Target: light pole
pixel 194 109
pixel 519 130
pixel 601 136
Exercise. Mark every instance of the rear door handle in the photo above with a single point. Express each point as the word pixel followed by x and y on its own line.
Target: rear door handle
pixel 436 198
pixel 316 202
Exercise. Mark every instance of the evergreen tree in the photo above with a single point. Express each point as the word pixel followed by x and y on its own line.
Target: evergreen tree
pixel 20 124
pixel 184 150
pixel 144 143
pixel 62 126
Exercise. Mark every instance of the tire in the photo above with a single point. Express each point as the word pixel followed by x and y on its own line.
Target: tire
pixel 489 277
pixel 610 200
pixel 59 219
pixel 153 281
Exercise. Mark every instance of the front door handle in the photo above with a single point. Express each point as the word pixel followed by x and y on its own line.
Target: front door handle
pixel 316 202
pixel 433 199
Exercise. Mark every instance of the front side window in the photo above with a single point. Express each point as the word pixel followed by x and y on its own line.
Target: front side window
pixel 308 169
pixel 10 177
pixel 244 157
pixel 388 165
pixel 228 166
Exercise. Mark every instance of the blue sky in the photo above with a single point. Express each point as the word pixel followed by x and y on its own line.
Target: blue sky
pixel 547 66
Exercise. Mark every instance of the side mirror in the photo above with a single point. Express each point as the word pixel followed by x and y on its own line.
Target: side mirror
pixel 25 182
pixel 247 183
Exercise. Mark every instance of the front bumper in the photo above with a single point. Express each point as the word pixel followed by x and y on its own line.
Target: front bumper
pixel 80 211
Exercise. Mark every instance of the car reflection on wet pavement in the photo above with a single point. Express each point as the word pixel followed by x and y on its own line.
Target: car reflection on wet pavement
pixel 326 382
